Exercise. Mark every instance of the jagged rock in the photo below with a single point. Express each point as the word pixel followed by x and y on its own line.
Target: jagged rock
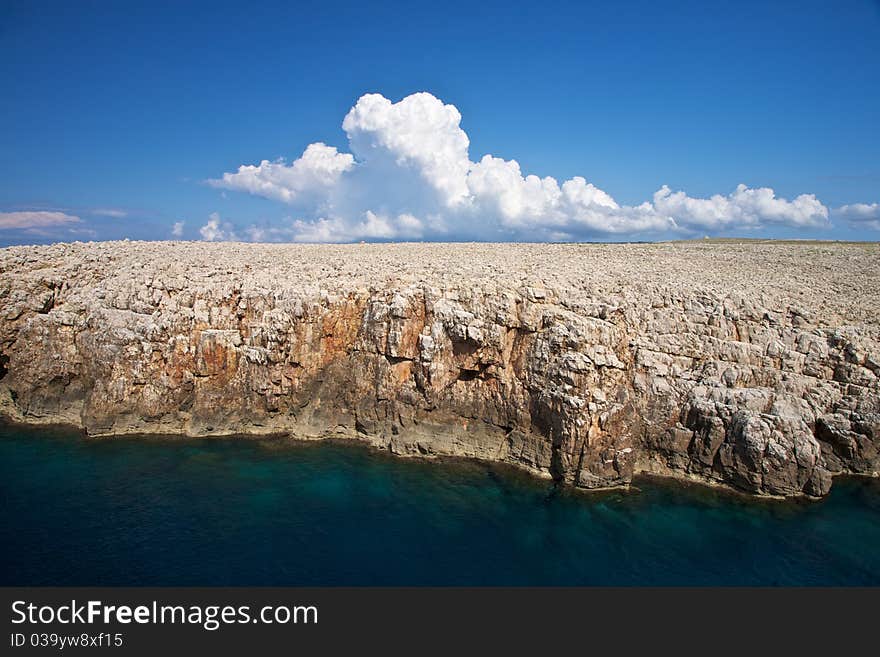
pixel 753 365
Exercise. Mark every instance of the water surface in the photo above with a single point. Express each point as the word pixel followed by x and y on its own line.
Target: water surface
pixel 147 511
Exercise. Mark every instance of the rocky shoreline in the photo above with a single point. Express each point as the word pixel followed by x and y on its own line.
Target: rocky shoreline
pixel 752 365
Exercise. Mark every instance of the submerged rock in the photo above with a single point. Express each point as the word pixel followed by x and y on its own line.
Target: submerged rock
pixel 753 365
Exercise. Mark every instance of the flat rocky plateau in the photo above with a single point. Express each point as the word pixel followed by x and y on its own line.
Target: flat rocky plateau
pixel 749 364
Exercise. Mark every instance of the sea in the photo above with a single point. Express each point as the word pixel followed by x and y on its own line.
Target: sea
pixel 148 511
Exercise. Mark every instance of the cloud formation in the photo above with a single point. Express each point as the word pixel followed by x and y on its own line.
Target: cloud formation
pixel 317 170
pixel 217 231
pixel 110 212
pixel 860 215
pixel 36 221
pixel 744 208
pixel 177 228
pixel 409 176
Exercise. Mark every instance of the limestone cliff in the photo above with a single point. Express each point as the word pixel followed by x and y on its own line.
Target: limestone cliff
pixel 750 364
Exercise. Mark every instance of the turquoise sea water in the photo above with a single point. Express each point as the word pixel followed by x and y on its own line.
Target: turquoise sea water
pixel 147 511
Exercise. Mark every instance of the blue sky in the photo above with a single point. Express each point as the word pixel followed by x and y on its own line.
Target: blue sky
pixel 116 115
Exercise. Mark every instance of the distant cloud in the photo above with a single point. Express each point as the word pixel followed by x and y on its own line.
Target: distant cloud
pixel 864 215
pixel 744 208
pixel 177 228
pixel 110 212
pixel 409 176
pixel 215 231
pixel 256 234
pixel 371 227
pixel 36 220
pixel 319 168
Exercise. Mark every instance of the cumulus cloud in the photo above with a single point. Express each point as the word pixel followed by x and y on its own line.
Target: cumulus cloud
pixel 410 176
pixel 316 170
pixel 177 228
pixel 372 226
pixel 418 132
pixel 745 208
pixel 36 220
pixel 860 215
pixel 216 230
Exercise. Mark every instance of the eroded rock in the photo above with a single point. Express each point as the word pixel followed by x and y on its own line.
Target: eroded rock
pixel 751 365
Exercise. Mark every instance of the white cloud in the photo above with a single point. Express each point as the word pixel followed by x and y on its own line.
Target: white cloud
pixel 110 212
pixel 317 169
pixel 744 208
pixel 410 176
pixel 36 220
pixel 858 215
pixel 419 132
pixel 372 226
pixel 540 208
pixel 267 233
pixel 177 228
pixel 215 231
pixel 256 234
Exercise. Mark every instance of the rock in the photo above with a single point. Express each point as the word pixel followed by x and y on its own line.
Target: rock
pixel 734 363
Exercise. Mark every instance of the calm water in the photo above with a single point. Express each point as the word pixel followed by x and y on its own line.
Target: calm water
pixel 184 512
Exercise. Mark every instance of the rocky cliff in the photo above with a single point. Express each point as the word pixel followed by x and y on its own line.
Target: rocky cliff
pixel 749 364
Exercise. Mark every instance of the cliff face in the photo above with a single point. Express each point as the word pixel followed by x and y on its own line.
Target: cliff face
pixel 753 365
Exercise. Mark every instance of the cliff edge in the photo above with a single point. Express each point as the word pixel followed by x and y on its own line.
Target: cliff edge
pixel 749 364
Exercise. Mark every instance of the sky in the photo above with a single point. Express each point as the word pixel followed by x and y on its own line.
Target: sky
pixel 336 122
